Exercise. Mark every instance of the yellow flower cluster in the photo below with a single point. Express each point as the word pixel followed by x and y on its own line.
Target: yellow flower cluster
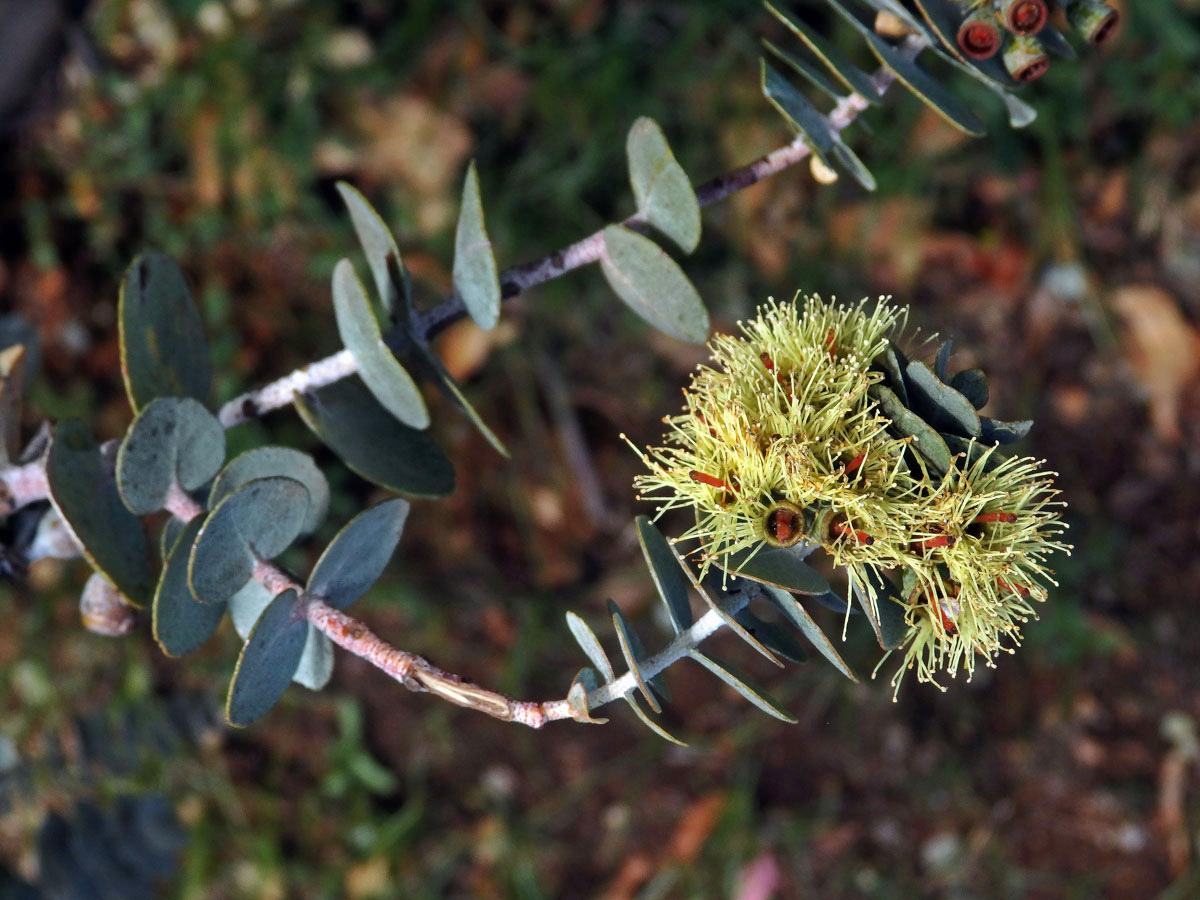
pixel 780 443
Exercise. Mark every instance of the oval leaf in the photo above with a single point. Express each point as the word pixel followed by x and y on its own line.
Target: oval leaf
pixel 475 276
pixel 927 443
pixel 357 555
pixel 246 605
pixel 670 580
pixel 383 257
pixel 652 285
pixel 590 645
pixel 263 462
pixel 634 653
pixel 794 106
pixel 85 494
pixel 939 404
pixel 268 660
pixel 664 193
pixel 391 384
pixel 173 441
pixel 257 521
pixel 181 623
pixel 163 349
pixel 790 607
pixel 778 566
pixel 373 444
pixel 972 384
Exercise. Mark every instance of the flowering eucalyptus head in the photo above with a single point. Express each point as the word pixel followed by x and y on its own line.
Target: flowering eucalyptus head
pixel 810 429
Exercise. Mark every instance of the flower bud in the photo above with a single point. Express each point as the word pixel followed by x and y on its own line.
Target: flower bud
pixel 1096 22
pixel 979 35
pixel 1023 16
pixel 1025 58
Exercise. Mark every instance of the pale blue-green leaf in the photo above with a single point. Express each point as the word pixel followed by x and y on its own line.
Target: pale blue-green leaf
pixel 779 566
pixel 850 161
pixel 845 71
pixel 85 494
pixel 795 107
pixel 430 365
pixel 163 349
pixel 383 257
pixel 926 88
pixel 382 373
pixel 633 651
pixel 652 284
pixel 475 277
pixel 670 580
pixel 953 411
pixel 805 70
pixel 590 645
pixel 663 192
pixel 316 662
pixel 773 637
pixel 173 441
pixel 577 697
pixel 743 685
pixel 257 521
pixel 268 660
pixel 246 605
pixel 263 462
pixel 631 699
pixel 373 444
pixel 358 554
pixel 790 607
pixel 181 624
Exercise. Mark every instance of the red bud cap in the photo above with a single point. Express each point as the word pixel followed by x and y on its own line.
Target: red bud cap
pixel 1024 16
pixel 1025 58
pixel 979 35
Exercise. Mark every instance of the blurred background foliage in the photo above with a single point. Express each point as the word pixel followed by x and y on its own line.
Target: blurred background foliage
pixel 1064 259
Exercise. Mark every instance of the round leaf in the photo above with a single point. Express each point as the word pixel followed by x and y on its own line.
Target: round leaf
pixel 373 444
pixel 163 349
pixel 379 369
pixel 173 440
pixel 84 493
pixel 357 555
pixel 475 276
pixel 268 660
pixel 181 624
pixel 652 285
pixel 662 189
pixel 263 462
pixel 257 521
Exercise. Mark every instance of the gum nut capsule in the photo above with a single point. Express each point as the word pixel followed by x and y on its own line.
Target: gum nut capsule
pixel 1024 16
pixel 783 525
pixel 1025 58
pixel 979 35
pixel 1096 22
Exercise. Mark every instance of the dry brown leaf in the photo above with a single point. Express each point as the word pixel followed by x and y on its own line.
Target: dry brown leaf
pixel 1163 350
pixel 410 139
pixel 695 825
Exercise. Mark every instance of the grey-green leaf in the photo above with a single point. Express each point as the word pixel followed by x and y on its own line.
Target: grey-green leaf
pixel 383 257
pixel 927 88
pixel 845 71
pixel 790 607
pixel 951 410
pixel 778 566
pixel 181 624
pixel 358 554
pixel 163 349
pixel 263 462
pixel 670 580
pixel 776 639
pixel 649 722
pixel 475 277
pixel 431 367
pixel 652 285
pixel 577 697
pixel 892 625
pixel 850 161
pixel 173 441
pixel 246 605
pixel 84 492
pixel 590 645
pixel 743 685
pixel 996 432
pixel 664 193
pixel 926 442
pixel 805 70
pixel 972 384
pixel 257 521
pixel 373 444
pixel 795 107
pixel 382 373
pixel 268 660
pixel 633 651
pixel 316 662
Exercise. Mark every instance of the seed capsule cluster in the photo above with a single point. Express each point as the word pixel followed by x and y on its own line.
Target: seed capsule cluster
pixel 780 442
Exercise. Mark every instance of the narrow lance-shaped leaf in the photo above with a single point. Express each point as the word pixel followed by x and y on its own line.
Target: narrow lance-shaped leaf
pixel 664 568
pixel 632 650
pixel 795 107
pixel 790 607
pixel 948 409
pixel 664 193
pixel 431 367
pixel 383 375
pixel 475 276
pixel 779 566
pixel 590 645
pixel 649 722
pixel 163 349
pixel 743 685
pixel 845 71
pixel 652 285
pixel 383 257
